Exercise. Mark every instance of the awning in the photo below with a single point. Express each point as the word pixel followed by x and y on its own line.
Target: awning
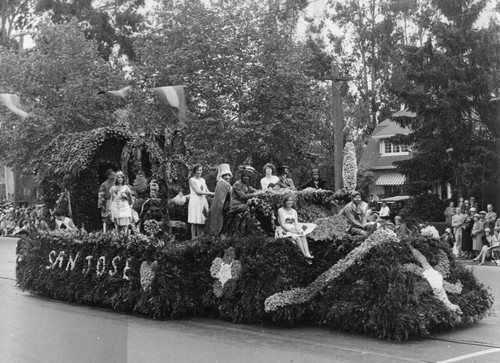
pixel 391 178
pixel 398 198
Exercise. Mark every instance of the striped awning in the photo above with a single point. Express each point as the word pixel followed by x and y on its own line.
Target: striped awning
pixel 391 178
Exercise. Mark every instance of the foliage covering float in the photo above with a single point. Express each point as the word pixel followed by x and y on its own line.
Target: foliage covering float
pixel 349 168
pixel 390 292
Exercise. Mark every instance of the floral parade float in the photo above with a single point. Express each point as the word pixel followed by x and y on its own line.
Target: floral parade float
pixel 385 286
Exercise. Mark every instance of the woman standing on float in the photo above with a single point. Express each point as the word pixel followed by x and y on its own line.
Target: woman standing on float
pixel 198 205
pixel 121 200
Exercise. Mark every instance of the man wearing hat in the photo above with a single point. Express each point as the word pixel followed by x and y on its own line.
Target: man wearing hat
pixel 490 217
pixel 242 191
pixel 284 180
pixel 447 237
pixel 221 201
pixel 355 215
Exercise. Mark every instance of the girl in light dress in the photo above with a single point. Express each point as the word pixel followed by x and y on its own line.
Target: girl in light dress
pixel 290 227
pixel 121 200
pixel 198 205
pixel 269 180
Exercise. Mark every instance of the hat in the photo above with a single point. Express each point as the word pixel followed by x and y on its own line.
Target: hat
pixel 355 193
pixel 477 215
pixel 247 170
pixel 281 169
pixel 270 166
pixel 472 210
pixel 223 169
pixel 482 212
pixel 487 229
pixel 448 230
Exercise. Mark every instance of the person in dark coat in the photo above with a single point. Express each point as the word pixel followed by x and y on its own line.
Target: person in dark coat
pixel 221 202
pixel 316 182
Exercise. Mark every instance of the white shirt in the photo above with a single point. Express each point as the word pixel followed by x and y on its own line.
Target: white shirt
pixel 265 181
pixel 385 211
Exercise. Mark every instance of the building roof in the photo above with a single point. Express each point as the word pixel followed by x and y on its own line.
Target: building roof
pixel 389 128
pixel 371 154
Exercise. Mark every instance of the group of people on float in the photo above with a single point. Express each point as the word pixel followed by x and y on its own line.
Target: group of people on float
pixel 365 217
pixel 475 234
pixel 229 198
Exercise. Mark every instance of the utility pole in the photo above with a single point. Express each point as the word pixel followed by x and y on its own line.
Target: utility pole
pixel 338 123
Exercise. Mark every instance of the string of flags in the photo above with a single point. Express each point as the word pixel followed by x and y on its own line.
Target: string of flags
pixel 172 96
pixel 13 103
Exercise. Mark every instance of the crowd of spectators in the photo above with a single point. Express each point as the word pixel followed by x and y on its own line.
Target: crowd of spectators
pixel 473 233
pixel 18 221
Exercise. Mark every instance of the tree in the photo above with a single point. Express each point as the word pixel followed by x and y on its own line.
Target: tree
pixel 246 78
pixel 58 81
pixel 451 83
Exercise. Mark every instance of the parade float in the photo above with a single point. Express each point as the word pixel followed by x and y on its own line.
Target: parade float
pixel 384 286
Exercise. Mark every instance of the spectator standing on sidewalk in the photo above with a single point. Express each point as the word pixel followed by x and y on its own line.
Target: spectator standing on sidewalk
pixel 457 222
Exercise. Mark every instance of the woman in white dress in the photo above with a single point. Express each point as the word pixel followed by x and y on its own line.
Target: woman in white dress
pixel 290 227
pixel 198 205
pixel 121 200
pixel 270 179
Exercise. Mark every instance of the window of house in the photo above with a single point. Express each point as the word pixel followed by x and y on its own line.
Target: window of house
pixel 391 148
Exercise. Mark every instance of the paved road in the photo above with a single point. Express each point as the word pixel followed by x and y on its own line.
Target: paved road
pixel 34 329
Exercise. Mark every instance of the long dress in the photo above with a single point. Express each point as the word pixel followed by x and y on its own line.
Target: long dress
pixel 466 235
pixel 220 205
pixel 121 198
pixel 198 205
pixel 291 221
pixel 477 236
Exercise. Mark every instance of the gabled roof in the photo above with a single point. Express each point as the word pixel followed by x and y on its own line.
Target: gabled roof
pixel 371 154
pixel 389 128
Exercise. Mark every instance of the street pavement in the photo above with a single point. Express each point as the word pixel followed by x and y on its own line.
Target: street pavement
pixel 34 329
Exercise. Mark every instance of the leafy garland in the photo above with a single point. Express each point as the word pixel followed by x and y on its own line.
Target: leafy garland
pixel 301 295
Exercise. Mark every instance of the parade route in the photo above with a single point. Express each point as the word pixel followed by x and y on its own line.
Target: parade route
pixel 34 329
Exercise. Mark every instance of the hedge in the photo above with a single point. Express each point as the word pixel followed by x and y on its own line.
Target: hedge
pixel 381 287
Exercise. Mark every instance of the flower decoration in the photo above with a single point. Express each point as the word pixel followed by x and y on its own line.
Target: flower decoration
pixel 179 199
pixel 430 231
pixel 152 227
pixel 148 274
pixel 349 168
pixel 225 270
pixel 302 295
pixel 435 279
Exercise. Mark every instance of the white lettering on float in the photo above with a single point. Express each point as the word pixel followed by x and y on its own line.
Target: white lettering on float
pixel 59 260
pixel 52 256
pixel 114 263
pixel 72 262
pixel 101 265
pixel 56 260
pixel 125 270
pixel 89 261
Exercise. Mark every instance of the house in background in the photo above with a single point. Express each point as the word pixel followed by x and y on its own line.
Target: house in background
pixel 380 154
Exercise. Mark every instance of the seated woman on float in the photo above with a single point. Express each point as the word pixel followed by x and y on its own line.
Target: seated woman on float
pixel 269 180
pixel 316 182
pixel 291 227
pixel 284 181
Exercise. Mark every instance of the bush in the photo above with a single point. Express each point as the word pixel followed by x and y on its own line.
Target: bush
pixel 425 207
pixel 379 292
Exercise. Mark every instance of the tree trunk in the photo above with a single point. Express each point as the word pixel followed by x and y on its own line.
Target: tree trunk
pixel 4 18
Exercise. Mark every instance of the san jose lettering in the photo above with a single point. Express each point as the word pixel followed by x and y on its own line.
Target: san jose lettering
pixel 98 266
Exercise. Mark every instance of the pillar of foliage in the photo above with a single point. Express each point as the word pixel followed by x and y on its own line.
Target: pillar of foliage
pixel 349 168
